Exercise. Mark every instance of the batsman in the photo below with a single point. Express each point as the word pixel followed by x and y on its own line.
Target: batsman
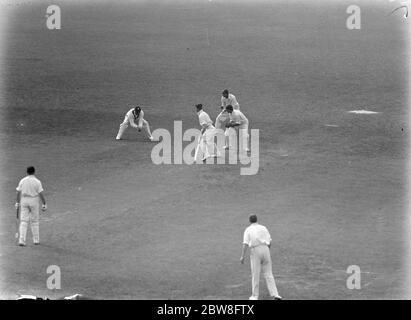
pixel 208 132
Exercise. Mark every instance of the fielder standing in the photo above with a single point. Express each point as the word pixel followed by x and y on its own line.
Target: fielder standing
pixel 132 116
pixel 29 191
pixel 258 239
pixel 228 98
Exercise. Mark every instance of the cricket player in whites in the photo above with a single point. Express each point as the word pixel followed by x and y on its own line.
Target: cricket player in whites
pixel 29 191
pixel 237 121
pixel 221 123
pixel 132 116
pixel 227 99
pixel 258 239
pixel 208 132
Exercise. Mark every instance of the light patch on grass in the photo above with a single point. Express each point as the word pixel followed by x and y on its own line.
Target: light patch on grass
pixel 363 112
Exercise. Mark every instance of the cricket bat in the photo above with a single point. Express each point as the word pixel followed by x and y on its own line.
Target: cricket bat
pixel 200 140
pixel 17 222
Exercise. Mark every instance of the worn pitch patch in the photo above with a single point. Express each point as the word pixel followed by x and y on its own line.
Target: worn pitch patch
pixel 363 112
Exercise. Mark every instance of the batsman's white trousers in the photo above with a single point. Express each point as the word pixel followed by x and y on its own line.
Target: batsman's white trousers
pixel 208 147
pixel 261 262
pixel 29 214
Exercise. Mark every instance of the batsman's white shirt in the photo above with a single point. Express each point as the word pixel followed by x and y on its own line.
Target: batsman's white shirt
pixel 239 117
pixel 231 100
pixel 255 235
pixel 30 186
pixel 205 120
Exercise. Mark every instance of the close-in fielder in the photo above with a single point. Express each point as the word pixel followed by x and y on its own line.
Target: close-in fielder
pixel 221 122
pixel 258 239
pixel 132 116
pixel 208 132
pixel 237 121
pixel 228 99
pixel 29 190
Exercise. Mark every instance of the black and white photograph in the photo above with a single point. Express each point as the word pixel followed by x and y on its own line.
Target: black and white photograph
pixel 228 150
